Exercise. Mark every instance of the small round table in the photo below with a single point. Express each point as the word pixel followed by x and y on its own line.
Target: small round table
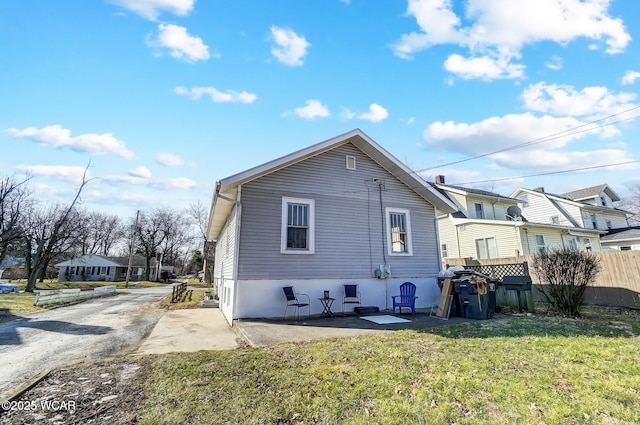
pixel 326 302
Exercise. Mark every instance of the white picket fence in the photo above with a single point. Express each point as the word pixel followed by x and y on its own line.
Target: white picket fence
pixel 59 296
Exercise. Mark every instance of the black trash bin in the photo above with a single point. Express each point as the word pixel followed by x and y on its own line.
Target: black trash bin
pixel 491 298
pixel 473 299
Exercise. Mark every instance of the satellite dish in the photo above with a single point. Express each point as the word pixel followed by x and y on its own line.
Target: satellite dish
pixel 514 211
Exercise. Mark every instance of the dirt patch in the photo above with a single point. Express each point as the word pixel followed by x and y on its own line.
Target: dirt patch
pixel 102 392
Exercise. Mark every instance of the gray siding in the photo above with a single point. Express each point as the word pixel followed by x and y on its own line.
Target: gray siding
pixel 225 249
pixel 348 221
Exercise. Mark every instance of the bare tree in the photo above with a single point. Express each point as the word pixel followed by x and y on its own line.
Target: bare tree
pixel 178 238
pixel 632 204
pixel 13 198
pixel 49 231
pixel 101 233
pixel 200 215
pixel 150 234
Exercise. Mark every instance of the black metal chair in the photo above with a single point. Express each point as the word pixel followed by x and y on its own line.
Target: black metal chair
pixel 351 295
pixel 293 301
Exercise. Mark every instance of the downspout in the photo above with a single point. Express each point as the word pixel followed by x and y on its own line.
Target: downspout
pixel 458 240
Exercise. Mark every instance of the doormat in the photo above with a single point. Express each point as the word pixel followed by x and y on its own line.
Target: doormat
pixel 385 320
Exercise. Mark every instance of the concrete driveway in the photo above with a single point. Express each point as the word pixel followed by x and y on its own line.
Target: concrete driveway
pixel 102 327
pixel 191 330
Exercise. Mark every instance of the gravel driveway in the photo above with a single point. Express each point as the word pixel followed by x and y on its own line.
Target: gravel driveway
pixel 99 328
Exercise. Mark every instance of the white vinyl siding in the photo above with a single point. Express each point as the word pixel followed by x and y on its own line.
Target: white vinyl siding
pixel 298 226
pixel 398 231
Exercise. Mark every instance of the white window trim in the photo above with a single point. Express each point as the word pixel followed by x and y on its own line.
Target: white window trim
pixel 538 246
pixel 409 245
pixel 283 227
pixel 475 207
pixel 350 162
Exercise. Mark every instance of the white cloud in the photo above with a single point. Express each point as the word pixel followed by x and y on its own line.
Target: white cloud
pixel 347 114
pixel 376 113
pixel 150 9
pixel 141 172
pixel 499 29
pixel 548 160
pixel 170 160
pixel 71 173
pixel 216 95
pixel 554 63
pixel 590 102
pixel 181 183
pixel 313 109
pixel 630 77
pixel 180 43
pixel 58 137
pixel 484 67
pixel 118 180
pixel 505 132
pixel 290 48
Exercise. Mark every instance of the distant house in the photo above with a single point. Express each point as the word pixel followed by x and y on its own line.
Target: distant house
pixel 625 239
pixel 100 268
pixel 340 211
pixel 489 225
pixel 590 208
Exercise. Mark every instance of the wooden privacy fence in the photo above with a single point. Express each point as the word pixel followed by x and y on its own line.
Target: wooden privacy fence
pixel 617 284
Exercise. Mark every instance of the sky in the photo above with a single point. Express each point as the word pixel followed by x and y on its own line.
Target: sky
pixel 159 99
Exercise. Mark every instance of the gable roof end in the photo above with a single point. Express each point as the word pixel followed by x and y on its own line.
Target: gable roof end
pixel 591 192
pixel 226 191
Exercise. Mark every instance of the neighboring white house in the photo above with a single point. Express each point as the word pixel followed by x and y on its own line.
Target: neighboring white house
pixel 594 211
pixel 340 211
pixel 100 268
pixel 489 225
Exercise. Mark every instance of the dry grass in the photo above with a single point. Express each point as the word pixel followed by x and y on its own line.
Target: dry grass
pixel 523 370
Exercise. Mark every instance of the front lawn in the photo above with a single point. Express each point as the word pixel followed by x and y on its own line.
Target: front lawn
pixel 519 370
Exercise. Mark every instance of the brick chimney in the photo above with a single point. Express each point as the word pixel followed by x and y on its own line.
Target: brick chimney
pixel 440 179
pixel 539 189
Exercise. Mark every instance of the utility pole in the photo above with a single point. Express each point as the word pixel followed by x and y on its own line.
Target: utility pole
pixel 131 240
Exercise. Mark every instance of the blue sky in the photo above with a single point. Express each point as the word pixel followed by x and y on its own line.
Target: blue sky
pixel 165 97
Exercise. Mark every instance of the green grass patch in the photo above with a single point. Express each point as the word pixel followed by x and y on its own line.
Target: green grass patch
pixel 519 370
pixel 194 300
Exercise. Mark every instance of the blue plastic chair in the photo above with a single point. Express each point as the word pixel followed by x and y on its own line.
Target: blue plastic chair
pixel 407 298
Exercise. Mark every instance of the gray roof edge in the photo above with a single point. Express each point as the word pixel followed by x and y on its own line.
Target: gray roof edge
pixel 288 159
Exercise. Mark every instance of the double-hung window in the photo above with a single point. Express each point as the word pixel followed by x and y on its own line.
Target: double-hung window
pixel 479 210
pixel 298 226
pixel 486 248
pixel 399 231
pixel 540 243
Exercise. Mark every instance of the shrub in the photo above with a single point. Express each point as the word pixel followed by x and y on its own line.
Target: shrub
pixel 564 276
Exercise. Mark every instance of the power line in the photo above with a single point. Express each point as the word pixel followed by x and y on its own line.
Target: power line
pixel 550 173
pixel 565 133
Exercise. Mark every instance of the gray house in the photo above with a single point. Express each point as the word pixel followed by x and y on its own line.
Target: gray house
pixel 340 211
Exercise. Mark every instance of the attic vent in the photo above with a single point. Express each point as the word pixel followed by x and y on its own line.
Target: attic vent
pixel 351 162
